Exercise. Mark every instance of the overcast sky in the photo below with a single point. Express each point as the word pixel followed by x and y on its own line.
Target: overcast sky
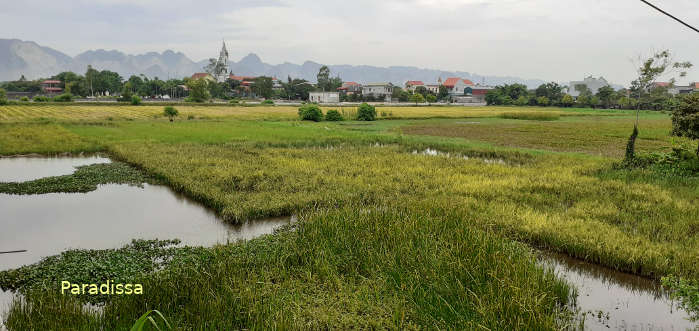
pixel 556 40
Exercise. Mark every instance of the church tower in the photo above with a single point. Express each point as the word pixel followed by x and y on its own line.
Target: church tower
pixel 222 64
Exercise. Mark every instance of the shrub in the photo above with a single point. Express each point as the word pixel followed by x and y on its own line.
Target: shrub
pixel 135 100
pixel 170 112
pixel 268 102
pixel 685 118
pixel 310 112
pixel 3 97
pixel 24 99
pixel 366 112
pixel 681 161
pixel 234 101
pixel 65 97
pixel 567 100
pixel 40 98
pixel 542 101
pixel 333 115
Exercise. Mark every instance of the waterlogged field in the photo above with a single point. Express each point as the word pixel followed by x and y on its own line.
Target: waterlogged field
pixel 387 236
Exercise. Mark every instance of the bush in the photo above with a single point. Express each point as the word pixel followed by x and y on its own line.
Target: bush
pixel 366 112
pixel 65 97
pixel 542 101
pixel 522 101
pixel 3 97
pixel 333 115
pixel 170 112
pixel 268 102
pixel 681 161
pixel 310 112
pixel 40 98
pixel 685 118
pixel 234 101
pixel 24 99
pixel 135 100
pixel 567 100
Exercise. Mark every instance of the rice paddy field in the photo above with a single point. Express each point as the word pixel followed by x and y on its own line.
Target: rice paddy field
pixel 423 221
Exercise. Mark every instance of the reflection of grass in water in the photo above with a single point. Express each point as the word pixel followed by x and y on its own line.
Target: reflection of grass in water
pixel 687 292
pixel 84 179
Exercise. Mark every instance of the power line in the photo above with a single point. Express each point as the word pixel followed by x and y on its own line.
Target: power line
pixel 668 14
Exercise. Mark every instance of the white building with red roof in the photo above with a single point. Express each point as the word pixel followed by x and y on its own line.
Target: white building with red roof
pixel 458 86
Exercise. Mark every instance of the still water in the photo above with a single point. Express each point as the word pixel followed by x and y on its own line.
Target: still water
pixel 109 217
pixel 612 300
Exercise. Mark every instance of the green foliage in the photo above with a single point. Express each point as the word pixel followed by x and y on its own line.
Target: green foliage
pixel 506 94
pixel 681 161
pixel 542 101
pixel 198 90
pixel 522 101
pixel 170 112
pixel 431 98
pixel 333 115
pixel 417 98
pixel 685 119
pixel 3 97
pixel 135 100
pixel 262 87
pixel 686 292
pixel 84 179
pixel 267 102
pixel 140 324
pixel 552 91
pixel 366 112
pixel 24 99
pixel 234 101
pixel 310 112
pixel 567 100
pixel 41 98
pixel 65 97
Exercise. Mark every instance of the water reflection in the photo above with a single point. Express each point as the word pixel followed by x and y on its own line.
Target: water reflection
pixel 110 217
pixel 616 300
pixel 20 169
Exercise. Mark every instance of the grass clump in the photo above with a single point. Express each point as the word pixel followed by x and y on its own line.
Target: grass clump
pixel 531 116
pixel 84 179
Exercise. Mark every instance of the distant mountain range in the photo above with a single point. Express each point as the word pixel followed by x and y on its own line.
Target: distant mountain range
pixel 18 57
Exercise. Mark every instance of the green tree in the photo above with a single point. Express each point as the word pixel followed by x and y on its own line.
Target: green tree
pixel 323 77
pixel 542 101
pixel 522 101
pixel 198 90
pixel 443 93
pixel 417 98
pixel 366 112
pixel 421 90
pixel 552 91
pixel 3 97
pixel 606 96
pixel 431 98
pixel 685 119
pixel 650 70
pixel 170 112
pixel 567 100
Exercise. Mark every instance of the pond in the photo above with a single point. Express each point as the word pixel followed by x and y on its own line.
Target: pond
pixel 612 300
pixel 108 217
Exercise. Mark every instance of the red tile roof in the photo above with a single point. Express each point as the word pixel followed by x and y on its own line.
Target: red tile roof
pixel 663 84
pixel 241 78
pixel 696 85
pixel 414 83
pixel 51 82
pixel 349 83
pixel 450 82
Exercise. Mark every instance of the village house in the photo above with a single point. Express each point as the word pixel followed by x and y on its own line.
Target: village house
pixel 324 97
pixel 349 88
pixel 203 75
pixel 411 85
pixel 458 86
pixel 378 90
pixel 51 87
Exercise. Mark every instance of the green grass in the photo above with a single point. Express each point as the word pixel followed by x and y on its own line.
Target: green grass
pixel 539 116
pixel 389 238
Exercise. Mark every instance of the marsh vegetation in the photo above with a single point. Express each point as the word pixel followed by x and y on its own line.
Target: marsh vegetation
pixel 385 238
